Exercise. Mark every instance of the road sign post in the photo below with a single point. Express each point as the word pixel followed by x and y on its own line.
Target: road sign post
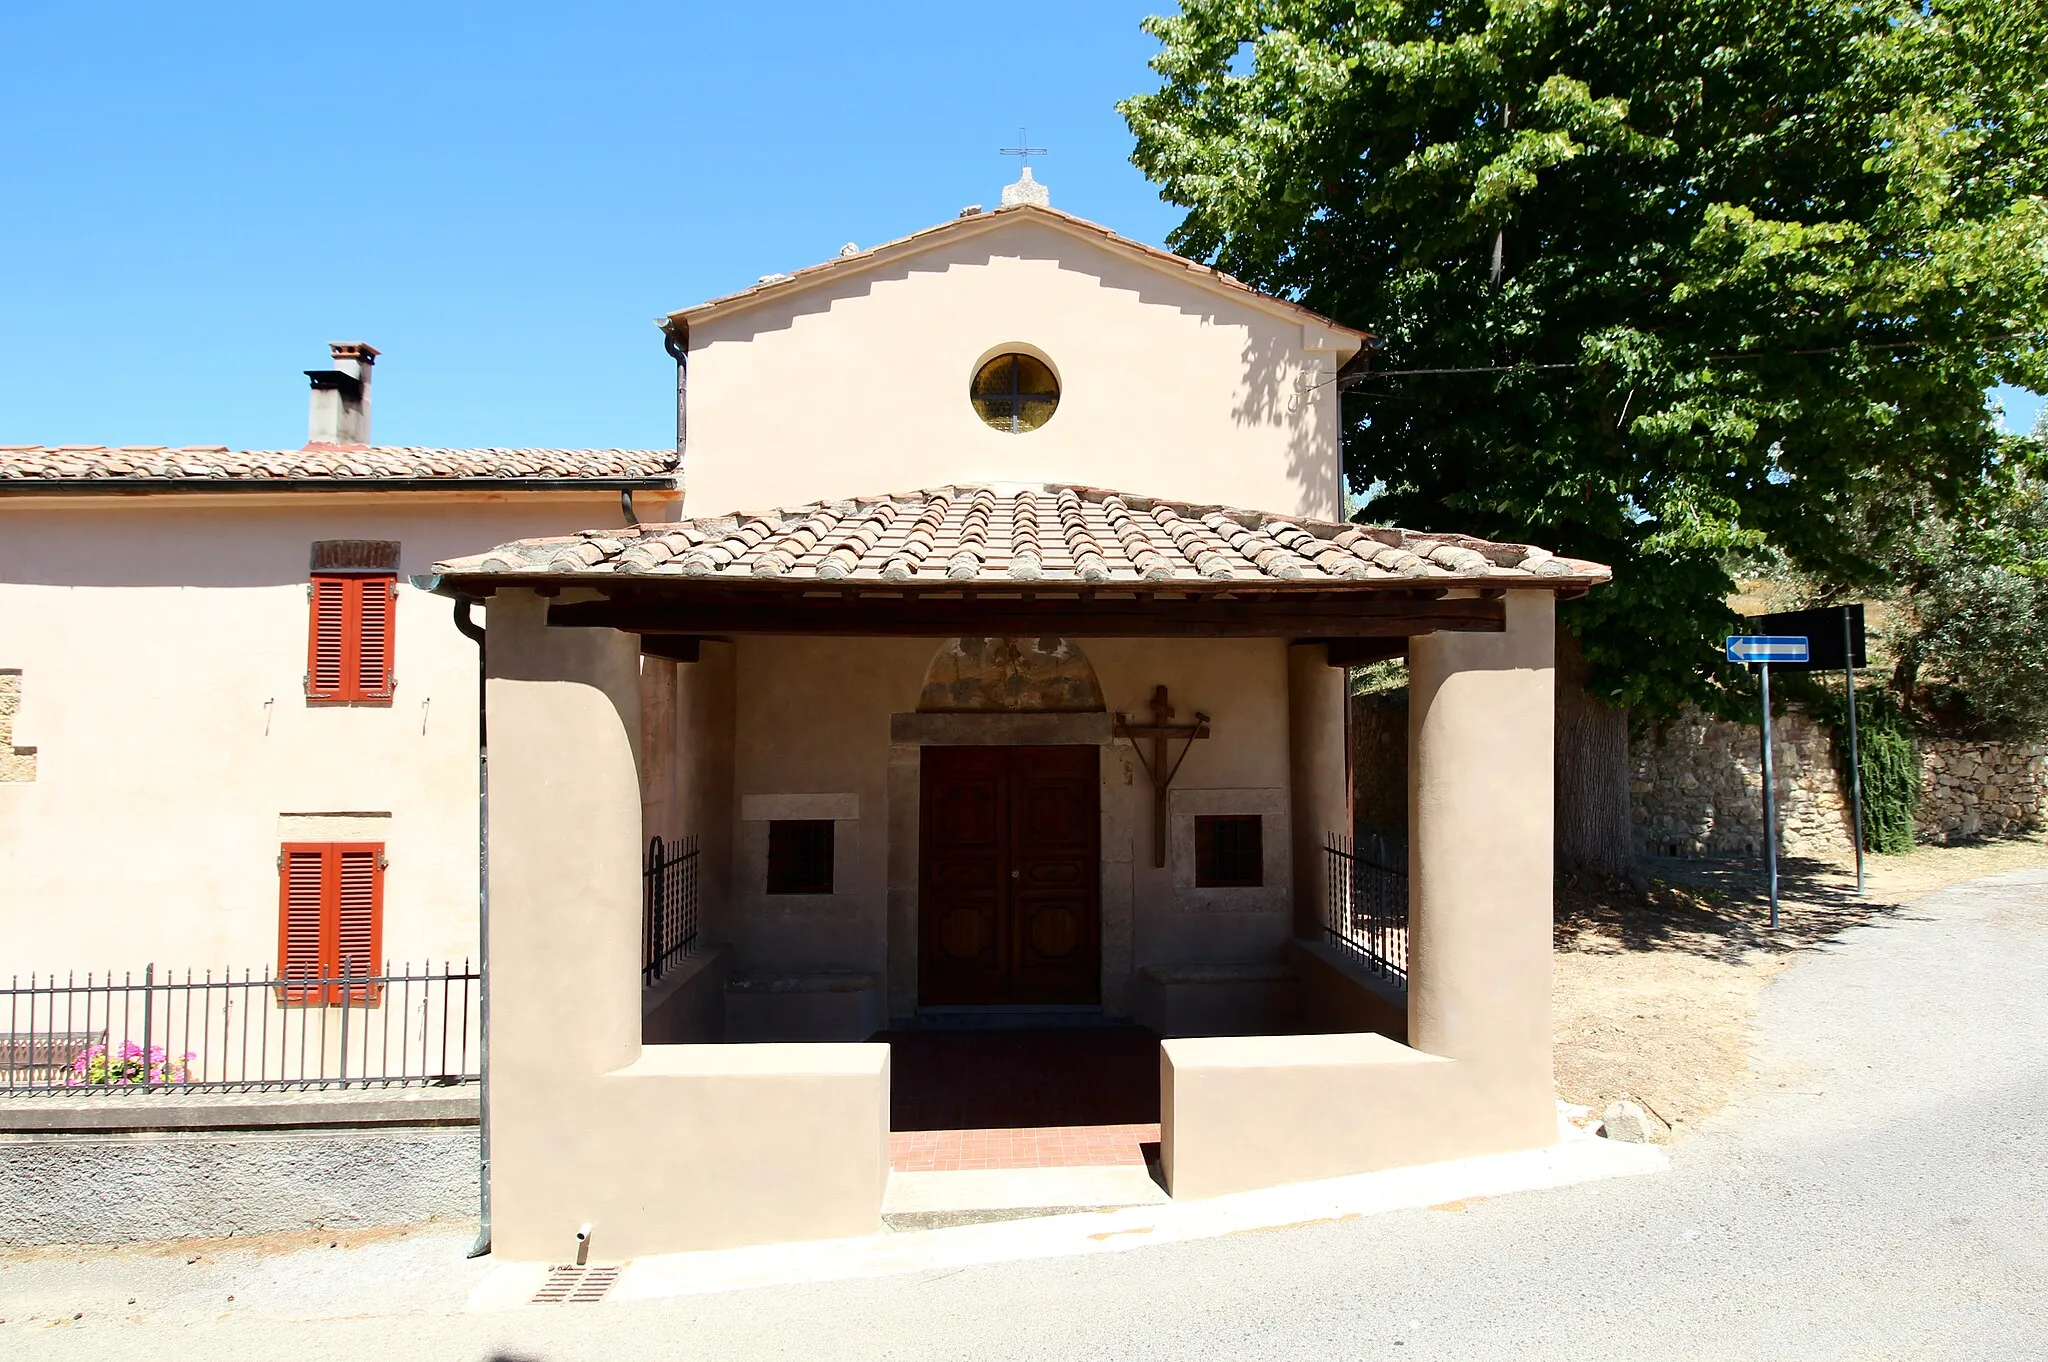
pixel 1849 661
pixel 1818 625
pixel 1761 650
pixel 1770 797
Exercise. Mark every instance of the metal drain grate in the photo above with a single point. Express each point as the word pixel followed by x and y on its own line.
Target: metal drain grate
pixel 567 1285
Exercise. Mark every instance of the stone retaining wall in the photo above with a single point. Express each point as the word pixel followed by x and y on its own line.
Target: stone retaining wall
pixel 124 1168
pixel 1696 789
pixel 1980 789
pixel 1379 760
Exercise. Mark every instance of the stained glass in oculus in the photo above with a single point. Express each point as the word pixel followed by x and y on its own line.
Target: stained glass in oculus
pixel 1015 393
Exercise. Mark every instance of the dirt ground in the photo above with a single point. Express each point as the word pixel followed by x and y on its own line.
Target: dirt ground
pixel 1653 1002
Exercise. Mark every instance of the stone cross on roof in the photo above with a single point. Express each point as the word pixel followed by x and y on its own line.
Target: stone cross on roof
pixel 1026 189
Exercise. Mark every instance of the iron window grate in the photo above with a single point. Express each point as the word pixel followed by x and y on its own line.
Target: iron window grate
pixel 1230 852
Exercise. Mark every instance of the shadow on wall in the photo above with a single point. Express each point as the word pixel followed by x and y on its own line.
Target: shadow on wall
pixel 1268 398
pixel 1019 240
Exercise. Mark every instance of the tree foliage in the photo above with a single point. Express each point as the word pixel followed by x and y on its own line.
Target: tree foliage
pixel 1724 266
pixel 1966 591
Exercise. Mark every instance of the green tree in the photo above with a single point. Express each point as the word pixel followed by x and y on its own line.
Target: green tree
pixel 1654 282
pixel 1966 590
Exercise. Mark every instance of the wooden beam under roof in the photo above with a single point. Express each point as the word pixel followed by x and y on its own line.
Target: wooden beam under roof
pixel 1271 615
pixel 1358 652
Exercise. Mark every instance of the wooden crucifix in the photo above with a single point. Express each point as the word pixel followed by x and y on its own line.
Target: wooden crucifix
pixel 1162 730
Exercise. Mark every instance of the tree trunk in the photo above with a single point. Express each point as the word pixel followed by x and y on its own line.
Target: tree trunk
pixel 1593 834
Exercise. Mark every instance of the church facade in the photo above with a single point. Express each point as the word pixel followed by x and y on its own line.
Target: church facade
pixel 976 659
pixel 996 669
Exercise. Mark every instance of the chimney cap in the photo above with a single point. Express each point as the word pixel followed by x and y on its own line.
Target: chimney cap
pixel 361 350
pixel 349 385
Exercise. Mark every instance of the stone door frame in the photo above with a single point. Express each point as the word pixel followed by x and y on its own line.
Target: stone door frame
pixel 910 732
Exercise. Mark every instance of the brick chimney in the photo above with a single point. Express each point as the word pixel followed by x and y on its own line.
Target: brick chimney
pixel 341 396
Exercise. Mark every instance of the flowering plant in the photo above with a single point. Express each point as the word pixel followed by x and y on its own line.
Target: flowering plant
pixel 98 1064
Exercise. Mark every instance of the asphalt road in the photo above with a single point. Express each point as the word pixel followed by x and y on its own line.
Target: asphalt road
pixel 1878 1190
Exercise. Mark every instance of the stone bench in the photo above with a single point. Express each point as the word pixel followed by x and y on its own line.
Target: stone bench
pixel 44 1056
pixel 825 1005
pixel 1217 998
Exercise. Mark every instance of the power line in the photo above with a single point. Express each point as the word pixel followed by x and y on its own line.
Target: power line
pixel 1363 375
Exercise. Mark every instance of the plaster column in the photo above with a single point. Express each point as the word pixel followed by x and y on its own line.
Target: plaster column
pixel 1316 765
pixel 565 902
pixel 1480 734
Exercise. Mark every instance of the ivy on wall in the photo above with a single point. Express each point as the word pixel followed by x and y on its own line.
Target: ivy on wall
pixel 1884 739
pixel 1891 789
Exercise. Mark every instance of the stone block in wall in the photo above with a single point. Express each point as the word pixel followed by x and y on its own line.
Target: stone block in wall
pixel 1696 788
pixel 17 764
pixel 1978 788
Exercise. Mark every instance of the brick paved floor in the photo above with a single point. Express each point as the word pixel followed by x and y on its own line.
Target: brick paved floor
pixel 950 1151
pixel 1073 1097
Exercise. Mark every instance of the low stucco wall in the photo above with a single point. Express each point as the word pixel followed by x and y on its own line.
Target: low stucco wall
pixel 1338 993
pixel 1243 1112
pixel 121 1169
pixel 687 1005
pixel 660 1148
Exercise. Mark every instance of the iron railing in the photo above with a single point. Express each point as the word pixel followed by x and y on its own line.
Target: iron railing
pixel 201 1032
pixel 669 906
pixel 1366 908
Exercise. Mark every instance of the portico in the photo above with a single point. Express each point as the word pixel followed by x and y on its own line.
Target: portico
pixel 943 776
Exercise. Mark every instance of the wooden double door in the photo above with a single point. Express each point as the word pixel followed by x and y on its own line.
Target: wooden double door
pixel 1009 876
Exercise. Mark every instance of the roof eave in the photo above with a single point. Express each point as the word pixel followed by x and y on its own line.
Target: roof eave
pixel 476 583
pixel 126 486
pixel 810 276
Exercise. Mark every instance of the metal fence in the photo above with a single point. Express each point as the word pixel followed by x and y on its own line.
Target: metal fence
pixel 200 1032
pixel 1366 908
pixel 669 906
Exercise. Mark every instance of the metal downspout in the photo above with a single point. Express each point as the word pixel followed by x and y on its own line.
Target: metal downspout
pixel 474 632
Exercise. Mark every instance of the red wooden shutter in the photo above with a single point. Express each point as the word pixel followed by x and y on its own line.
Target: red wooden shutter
pixel 374 636
pixel 330 919
pixel 327 645
pixel 359 915
pixel 352 637
pixel 302 896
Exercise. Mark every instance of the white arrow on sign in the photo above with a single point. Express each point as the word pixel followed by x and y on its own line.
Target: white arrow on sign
pixel 1766 648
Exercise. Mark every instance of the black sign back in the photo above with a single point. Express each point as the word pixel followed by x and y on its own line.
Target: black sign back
pixel 1821 627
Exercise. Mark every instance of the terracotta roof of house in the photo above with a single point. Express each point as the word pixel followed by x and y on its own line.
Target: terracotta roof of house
pixel 776 285
pixel 1011 534
pixel 215 463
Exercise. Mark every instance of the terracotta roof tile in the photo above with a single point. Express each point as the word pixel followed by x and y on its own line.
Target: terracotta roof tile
pixel 21 463
pixel 990 534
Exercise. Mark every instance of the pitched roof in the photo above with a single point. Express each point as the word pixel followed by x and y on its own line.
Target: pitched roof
pixel 369 463
pixel 1036 533
pixel 780 285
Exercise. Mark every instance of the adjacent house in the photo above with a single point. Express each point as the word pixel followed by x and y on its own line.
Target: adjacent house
pixel 240 736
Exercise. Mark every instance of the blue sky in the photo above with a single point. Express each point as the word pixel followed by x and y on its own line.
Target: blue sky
pixel 194 199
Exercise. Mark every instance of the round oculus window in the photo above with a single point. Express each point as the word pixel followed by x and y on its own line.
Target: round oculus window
pixel 1015 393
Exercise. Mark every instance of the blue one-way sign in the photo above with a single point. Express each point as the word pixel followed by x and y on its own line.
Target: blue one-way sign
pixel 1766 648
